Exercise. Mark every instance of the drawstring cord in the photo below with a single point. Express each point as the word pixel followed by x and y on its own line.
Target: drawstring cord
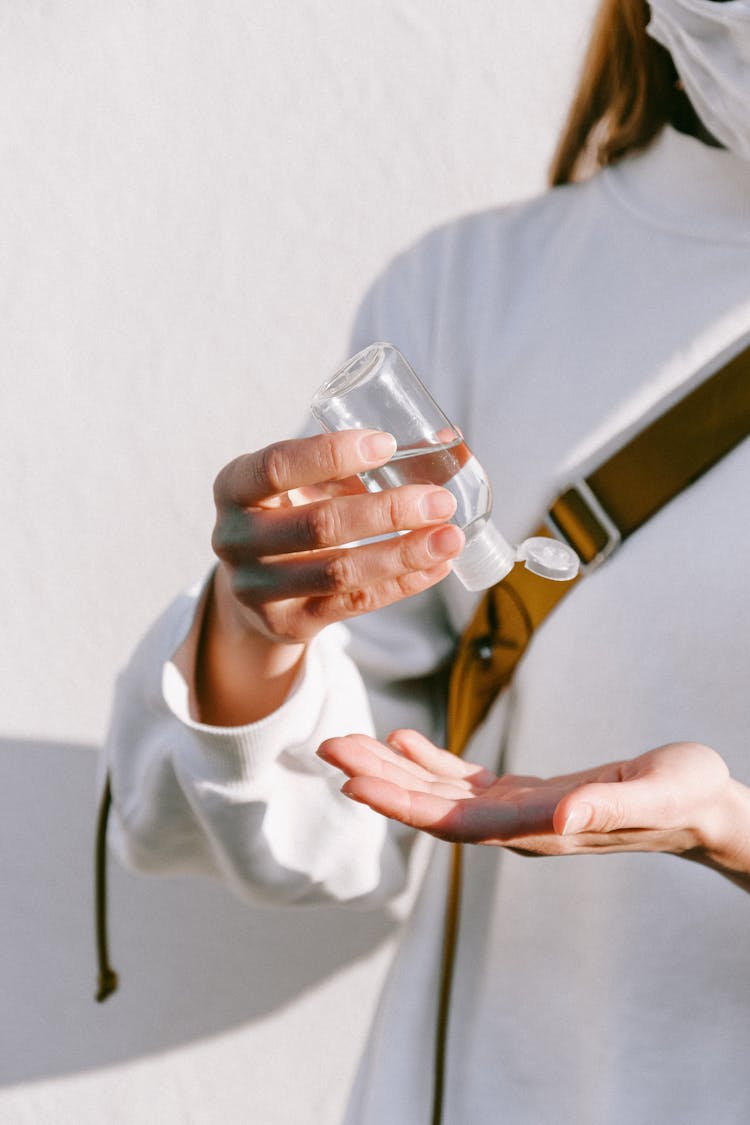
pixel 107 981
pixel 450 943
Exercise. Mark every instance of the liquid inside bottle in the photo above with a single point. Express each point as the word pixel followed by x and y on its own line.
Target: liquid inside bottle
pixel 452 465
pixel 379 389
pixel 486 557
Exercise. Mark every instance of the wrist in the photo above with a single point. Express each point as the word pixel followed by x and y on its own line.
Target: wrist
pixel 724 835
pixel 234 627
pixel 241 674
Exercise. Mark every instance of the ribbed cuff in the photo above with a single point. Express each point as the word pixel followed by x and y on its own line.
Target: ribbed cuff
pixel 239 753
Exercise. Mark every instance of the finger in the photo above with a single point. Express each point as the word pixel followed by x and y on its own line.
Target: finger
pixel 357 756
pixel 350 574
pixel 388 756
pixel 643 802
pixel 431 813
pixel 440 763
pixel 300 619
pixel 327 610
pixel 286 465
pixel 338 752
pixel 467 821
pixel 331 523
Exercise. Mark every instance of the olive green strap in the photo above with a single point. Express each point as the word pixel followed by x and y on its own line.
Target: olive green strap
pixel 594 515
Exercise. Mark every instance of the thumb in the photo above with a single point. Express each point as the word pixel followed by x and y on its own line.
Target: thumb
pixel 609 807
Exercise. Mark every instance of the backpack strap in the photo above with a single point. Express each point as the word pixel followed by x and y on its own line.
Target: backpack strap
pixel 594 516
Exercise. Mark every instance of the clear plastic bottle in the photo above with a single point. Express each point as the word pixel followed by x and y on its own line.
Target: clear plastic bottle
pixel 378 389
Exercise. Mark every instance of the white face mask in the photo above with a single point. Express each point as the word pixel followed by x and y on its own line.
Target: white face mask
pixel 710 45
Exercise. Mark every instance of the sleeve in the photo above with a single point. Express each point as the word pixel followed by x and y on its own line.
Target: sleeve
pixel 254 805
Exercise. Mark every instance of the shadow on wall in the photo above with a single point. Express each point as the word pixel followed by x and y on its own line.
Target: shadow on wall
pixel 192 960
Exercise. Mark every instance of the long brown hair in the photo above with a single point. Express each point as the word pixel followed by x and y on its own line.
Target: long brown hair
pixel 628 89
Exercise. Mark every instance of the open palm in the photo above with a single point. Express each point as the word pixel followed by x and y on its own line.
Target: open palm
pixel 663 800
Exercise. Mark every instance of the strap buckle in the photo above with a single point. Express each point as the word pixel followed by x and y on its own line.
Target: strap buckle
pixel 579 519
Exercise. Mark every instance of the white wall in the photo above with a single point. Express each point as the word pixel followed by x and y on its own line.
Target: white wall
pixel 193 197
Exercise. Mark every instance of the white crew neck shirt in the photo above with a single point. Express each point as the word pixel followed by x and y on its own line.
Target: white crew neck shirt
pixel 591 990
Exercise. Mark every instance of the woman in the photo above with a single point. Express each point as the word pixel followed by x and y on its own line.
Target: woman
pixel 591 991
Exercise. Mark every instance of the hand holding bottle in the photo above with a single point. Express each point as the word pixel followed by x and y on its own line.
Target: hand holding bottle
pixel 286 516
pixel 289 514
pixel 379 387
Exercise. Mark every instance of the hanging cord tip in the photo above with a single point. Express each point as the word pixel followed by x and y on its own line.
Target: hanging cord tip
pixel 107 984
pixel 107 979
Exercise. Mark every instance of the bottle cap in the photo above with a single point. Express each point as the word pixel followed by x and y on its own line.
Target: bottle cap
pixel 549 558
pixel 486 558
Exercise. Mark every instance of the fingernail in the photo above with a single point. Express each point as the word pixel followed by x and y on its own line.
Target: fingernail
pixel 437 505
pixel 578 819
pixel 445 542
pixel 377 447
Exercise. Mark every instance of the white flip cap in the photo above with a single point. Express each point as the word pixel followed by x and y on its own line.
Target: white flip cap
pixel 549 558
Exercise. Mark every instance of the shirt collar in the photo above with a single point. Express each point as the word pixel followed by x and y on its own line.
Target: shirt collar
pixel 681 184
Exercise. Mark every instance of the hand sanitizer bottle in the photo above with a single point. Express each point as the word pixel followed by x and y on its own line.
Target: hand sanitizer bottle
pixel 378 389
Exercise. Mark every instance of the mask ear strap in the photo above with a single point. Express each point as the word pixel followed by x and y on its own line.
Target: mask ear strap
pixel 107 982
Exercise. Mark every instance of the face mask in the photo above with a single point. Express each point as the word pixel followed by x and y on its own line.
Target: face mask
pixel 710 45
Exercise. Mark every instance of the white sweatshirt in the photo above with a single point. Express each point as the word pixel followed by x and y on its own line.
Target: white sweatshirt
pixel 591 990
